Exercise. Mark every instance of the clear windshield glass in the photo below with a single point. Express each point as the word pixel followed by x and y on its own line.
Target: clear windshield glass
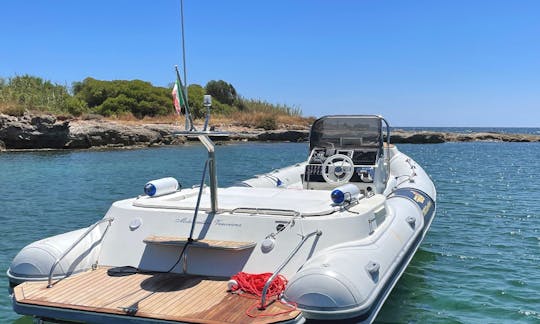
pixel 346 132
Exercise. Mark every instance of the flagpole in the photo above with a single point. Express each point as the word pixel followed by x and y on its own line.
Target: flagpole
pixel 189 120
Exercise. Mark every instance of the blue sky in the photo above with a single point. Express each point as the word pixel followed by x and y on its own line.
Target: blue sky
pixel 418 63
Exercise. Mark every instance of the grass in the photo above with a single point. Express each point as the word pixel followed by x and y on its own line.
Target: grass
pixel 239 119
pixel 10 108
pixel 256 105
pixel 252 119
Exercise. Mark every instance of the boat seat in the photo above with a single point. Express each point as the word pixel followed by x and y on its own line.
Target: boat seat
pixel 208 244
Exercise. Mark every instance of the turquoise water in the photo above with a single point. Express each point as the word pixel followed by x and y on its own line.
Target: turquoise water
pixel 478 264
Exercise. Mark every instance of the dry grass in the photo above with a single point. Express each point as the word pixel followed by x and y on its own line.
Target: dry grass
pixel 253 119
pixel 128 118
pixel 10 108
pixel 295 120
pixel 250 120
pixel 241 119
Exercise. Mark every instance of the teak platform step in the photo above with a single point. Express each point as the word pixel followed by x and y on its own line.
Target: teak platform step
pixel 210 244
pixel 93 296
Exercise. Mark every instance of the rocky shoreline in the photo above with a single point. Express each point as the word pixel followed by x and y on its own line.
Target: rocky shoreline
pixel 30 132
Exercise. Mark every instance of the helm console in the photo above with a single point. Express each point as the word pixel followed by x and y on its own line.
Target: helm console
pixel 346 149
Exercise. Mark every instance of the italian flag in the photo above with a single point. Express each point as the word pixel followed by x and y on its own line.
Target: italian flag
pixel 177 97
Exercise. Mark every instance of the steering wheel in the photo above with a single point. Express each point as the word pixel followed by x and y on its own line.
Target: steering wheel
pixel 338 169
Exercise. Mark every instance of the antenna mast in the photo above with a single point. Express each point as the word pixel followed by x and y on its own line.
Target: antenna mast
pixel 183 51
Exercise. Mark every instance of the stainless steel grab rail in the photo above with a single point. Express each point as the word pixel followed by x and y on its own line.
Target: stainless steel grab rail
pixel 387 155
pixel 278 270
pixel 90 229
pixel 268 211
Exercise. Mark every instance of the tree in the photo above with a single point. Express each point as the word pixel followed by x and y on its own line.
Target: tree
pixel 120 96
pixel 195 100
pixel 222 91
pixel 117 105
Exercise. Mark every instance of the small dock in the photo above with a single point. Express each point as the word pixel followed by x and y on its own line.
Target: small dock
pixel 158 296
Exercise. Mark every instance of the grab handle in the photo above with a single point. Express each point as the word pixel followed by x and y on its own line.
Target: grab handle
pixel 278 270
pixel 60 258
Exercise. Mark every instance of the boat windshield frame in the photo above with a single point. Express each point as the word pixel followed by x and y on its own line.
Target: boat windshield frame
pixel 347 132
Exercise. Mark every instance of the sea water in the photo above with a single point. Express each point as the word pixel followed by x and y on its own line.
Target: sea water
pixel 479 263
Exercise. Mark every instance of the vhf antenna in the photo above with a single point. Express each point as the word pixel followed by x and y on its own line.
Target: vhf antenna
pixel 184 88
pixel 183 49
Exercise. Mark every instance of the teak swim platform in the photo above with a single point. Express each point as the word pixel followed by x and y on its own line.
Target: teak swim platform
pixel 160 296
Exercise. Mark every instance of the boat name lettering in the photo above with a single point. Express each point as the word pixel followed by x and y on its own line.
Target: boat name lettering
pixel 187 220
pixel 217 222
pixel 222 223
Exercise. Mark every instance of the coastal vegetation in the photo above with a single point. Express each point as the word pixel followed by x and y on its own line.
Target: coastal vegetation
pixel 33 94
pixel 138 100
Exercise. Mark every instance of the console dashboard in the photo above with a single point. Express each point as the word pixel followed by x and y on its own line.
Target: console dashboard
pixel 364 164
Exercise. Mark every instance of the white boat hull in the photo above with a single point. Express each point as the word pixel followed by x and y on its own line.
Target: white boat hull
pixel 347 272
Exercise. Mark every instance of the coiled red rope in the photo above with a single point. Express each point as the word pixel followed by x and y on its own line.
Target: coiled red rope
pixel 254 284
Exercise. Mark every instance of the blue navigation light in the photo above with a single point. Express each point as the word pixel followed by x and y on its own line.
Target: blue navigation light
pixel 150 189
pixel 338 196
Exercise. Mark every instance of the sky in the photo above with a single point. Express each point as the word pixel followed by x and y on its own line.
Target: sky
pixel 418 63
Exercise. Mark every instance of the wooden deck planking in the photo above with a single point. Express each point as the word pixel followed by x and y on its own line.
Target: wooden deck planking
pixel 203 301
pixel 159 296
pixel 81 292
pixel 194 297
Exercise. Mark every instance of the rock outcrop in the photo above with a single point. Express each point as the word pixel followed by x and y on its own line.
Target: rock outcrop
pixel 400 137
pixel 491 137
pixel 284 135
pixel 33 132
pixel 109 134
pixel 45 131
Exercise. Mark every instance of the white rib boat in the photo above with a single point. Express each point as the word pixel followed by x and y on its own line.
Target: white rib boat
pixel 341 227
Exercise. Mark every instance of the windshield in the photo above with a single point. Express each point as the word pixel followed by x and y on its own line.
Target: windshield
pixel 346 132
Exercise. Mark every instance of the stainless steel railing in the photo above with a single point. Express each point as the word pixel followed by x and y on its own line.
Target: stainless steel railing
pixel 88 231
pixel 387 155
pixel 278 270
pixel 266 211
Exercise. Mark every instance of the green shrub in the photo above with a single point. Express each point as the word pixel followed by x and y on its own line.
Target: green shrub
pixel 120 96
pixel 125 98
pixel 116 105
pixel 222 91
pixel 75 106
pixel 267 123
pixel 195 101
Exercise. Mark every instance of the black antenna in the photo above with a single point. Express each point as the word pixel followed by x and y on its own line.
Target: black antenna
pixel 183 50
